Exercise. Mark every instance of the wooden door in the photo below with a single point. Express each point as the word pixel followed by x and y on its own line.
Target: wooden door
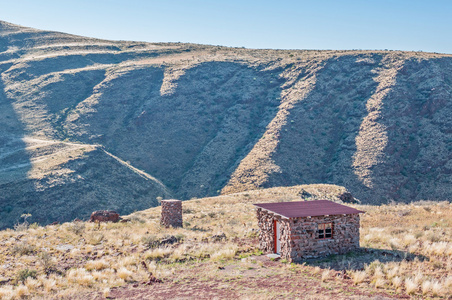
pixel 277 236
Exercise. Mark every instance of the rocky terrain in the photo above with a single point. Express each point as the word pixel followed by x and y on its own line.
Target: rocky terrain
pixel 91 124
pixel 58 181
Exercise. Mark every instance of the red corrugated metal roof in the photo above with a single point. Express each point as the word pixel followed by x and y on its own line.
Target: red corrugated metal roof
pixel 297 209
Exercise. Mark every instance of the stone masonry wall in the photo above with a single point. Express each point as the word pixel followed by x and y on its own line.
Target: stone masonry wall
pixel 266 232
pixel 304 243
pixel 299 235
pixel 265 224
pixel 171 213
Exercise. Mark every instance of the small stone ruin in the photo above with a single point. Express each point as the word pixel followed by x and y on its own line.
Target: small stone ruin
pixel 104 216
pixel 171 213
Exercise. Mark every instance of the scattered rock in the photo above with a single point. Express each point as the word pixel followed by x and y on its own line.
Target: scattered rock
pixel 168 240
pixel 218 237
pixel 64 247
pixel 274 256
pixel 104 216
pixel 153 242
pixel 152 278
pixel 344 275
pixel 403 213
pixel 347 198
pixel 304 194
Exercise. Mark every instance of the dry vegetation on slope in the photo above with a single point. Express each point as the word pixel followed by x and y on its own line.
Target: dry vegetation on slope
pixel 406 251
pixel 205 120
pixel 47 177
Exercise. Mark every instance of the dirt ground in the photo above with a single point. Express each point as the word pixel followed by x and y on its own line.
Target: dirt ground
pixel 239 280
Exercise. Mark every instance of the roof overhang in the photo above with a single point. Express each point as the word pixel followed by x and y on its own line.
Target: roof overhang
pixel 307 209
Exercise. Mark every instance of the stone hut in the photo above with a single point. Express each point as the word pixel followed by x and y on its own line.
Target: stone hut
pixel 307 229
pixel 171 213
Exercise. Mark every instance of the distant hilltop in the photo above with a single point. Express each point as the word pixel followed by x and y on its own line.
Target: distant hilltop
pixel 90 124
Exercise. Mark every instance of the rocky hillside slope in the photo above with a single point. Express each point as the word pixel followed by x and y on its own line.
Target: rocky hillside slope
pixel 205 120
pixel 57 181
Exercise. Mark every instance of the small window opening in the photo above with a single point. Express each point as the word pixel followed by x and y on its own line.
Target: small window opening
pixel 325 231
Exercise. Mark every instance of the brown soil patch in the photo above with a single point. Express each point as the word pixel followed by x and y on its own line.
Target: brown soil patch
pixel 271 280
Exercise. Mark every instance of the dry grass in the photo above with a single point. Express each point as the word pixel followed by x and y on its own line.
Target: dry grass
pixel 96 265
pixel 69 262
pixel 359 276
pixel 424 234
pixel 317 270
pixel 326 275
pixel 411 286
pixel 397 282
pixel 115 251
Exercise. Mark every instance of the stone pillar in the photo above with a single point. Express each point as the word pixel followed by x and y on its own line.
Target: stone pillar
pixel 171 213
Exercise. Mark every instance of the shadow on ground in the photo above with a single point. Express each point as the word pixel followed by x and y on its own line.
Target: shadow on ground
pixel 357 260
pixel 15 161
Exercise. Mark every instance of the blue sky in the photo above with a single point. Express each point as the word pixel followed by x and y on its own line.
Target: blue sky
pixel 317 24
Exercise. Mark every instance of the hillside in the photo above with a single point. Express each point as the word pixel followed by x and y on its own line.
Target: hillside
pixel 208 120
pixel 406 252
pixel 57 181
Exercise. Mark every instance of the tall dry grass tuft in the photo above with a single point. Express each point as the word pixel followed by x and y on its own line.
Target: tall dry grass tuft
pixel 418 279
pixel 379 283
pixel 228 252
pixel 378 273
pixel 326 275
pixel 359 276
pixel 397 282
pixel 81 277
pixel 408 240
pixel 157 253
pixel 106 293
pixel 448 282
pixel 125 274
pixel 7 292
pixel 131 260
pixel 316 270
pixel 96 265
pixel 179 254
pixel 448 252
pixel 49 284
pixel 426 286
pixel 21 292
pixel 437 288
pixel 410 286
pixel 391 273
pixel 437 248
pixel 32 284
